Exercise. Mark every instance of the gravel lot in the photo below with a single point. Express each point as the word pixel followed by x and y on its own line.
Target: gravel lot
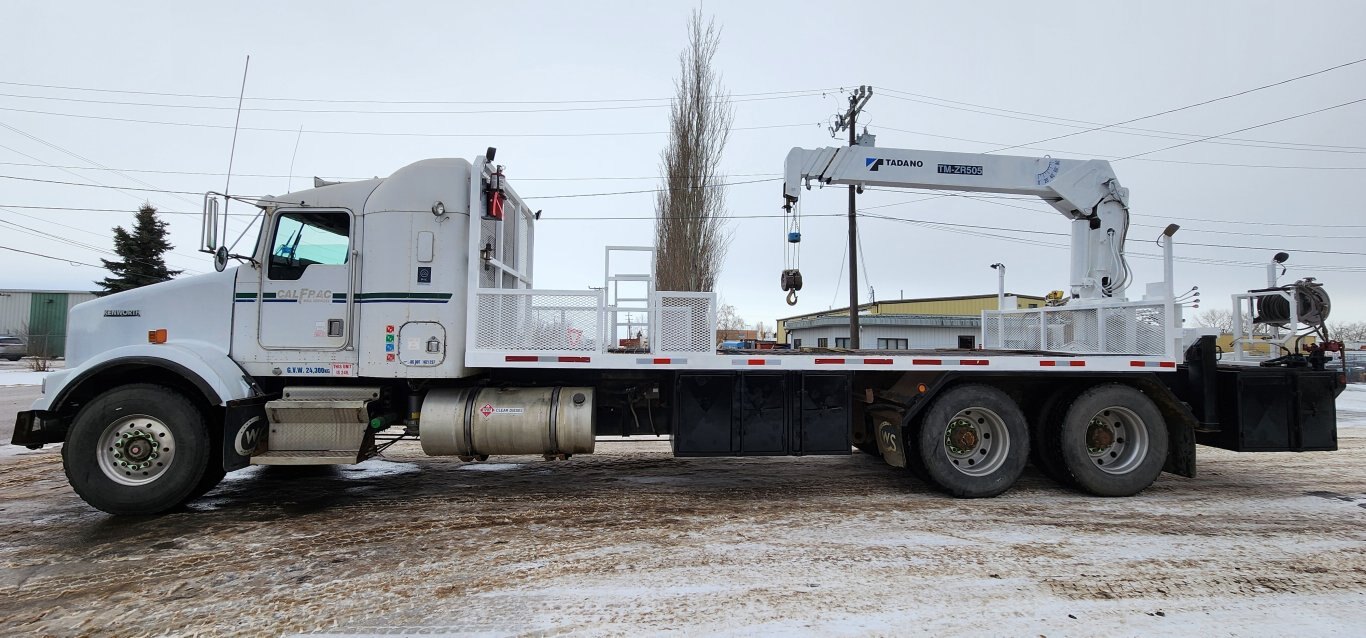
pixel 631 541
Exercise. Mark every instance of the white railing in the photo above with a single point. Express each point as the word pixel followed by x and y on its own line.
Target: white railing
pixel 539 320
pixel 552 321
pixel 683 321
pixel 1137 328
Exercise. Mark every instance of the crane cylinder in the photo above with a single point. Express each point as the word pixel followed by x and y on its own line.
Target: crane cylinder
pixel 489 421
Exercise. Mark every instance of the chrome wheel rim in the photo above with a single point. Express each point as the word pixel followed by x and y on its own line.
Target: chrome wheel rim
pixel 135 450
pixel 976 441
pixel 1116 440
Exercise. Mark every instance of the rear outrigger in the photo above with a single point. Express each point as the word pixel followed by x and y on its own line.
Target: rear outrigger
pixel 373 311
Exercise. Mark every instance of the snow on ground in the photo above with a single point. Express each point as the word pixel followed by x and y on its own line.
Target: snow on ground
pixel 21 377
pixel 1351 406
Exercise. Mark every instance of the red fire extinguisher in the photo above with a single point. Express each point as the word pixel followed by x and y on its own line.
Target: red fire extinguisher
pixel 493 190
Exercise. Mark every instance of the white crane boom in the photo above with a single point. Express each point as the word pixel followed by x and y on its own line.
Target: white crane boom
pixel 1085 191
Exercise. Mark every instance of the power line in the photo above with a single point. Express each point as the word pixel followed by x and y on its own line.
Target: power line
pixel 976 232
pixel 1143 132
pixel 355 178
pixel 336 101
pixel 80 157
pixel 1112 157
pixel 563 196
pixel 1188 106
pixel 69 261
pixel 654 190
pixel 615 107
pixel 1249 128
pixel 97 210
pixel 386 133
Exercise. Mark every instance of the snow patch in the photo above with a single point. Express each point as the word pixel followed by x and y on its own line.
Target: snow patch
pixel 10 378
pixel 18 450
pixel 489 467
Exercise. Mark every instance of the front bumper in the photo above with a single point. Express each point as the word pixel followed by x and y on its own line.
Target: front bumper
pixel 35 428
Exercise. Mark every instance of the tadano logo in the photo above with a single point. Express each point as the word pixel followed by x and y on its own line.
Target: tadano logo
pixel 874 163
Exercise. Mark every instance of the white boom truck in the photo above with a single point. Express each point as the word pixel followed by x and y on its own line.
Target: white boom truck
pixel 370 311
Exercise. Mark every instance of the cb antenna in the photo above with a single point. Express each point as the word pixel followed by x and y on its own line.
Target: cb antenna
pixel 232 152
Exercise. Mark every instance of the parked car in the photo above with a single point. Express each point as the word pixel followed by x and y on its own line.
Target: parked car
pixel 12 348
pixel 1356 366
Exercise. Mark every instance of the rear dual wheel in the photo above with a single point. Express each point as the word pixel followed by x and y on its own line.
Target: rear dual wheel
pixel 973 442
pixel 1112 441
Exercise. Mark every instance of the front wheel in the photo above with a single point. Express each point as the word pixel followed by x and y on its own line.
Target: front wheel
pixel 973 441
pixel 1113 441
pixel 137 450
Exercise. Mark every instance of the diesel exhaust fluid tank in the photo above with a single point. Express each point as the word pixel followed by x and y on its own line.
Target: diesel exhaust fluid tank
pixel 495 421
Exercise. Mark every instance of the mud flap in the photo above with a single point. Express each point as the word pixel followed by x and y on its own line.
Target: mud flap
pixel 889 439
pixel 245 429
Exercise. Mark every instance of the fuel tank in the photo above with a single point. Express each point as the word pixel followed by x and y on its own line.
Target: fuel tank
pixel 493 421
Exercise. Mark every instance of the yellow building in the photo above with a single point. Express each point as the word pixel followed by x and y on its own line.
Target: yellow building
pixel 967 306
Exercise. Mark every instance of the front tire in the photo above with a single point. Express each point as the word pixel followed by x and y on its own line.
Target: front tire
pixel 137 450
pixel 973 441
pixel 1113 441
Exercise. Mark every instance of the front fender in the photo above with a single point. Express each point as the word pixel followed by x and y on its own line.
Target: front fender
pixel 207 367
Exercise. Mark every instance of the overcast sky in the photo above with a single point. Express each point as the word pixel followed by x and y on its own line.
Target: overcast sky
pixel 968 77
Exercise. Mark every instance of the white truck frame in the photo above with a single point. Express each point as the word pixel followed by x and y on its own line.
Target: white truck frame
pixel 373 311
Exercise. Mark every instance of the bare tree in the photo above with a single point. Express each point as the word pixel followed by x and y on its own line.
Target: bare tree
pixel 1349 332
pixel 761 330
pixel 1216 318
pixel 690 233
pixel 729 319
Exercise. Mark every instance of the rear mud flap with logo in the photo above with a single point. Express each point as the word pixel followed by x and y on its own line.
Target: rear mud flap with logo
pixel 245 429
pixel 888 432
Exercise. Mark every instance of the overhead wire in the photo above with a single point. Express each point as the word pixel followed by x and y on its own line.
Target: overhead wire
pixel 1151 133
pixel 595 108
pixel 385 133
pixel 1188 106
pixel 355 101
pixel 518 178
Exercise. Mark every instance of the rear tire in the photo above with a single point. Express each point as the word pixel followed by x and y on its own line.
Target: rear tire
pixel 1113 441
pixel 137 450
pixel 1045 447
pixel 973 441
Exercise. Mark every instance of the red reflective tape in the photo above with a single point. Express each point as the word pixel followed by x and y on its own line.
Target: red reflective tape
pixel 1138 364
pixel 830 361
pixel 662 361
pixel 974 362
pixel 1168 364
pixel 756 362
pixel 522 358
pixel 926 362
pixel 884 362
pixel 1048 364
pixel 574 359
pixel 1076 364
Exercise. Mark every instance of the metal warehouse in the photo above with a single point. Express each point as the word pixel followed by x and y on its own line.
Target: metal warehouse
pixel 937 322
pixel 39 316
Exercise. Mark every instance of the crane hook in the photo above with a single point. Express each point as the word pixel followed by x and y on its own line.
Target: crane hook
pixel 792 298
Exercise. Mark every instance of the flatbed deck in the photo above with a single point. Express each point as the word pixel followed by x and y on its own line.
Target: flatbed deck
pixel 823 359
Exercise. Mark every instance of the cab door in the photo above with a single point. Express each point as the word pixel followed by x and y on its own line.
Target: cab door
pixel 305 291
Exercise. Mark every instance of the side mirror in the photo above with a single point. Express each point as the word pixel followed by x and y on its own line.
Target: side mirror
pixel 220 258
pixel 208 235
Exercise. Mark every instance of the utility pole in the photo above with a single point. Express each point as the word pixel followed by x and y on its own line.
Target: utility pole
pixel 857 100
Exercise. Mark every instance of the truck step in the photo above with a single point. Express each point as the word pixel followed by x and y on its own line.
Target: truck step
pixel 307 419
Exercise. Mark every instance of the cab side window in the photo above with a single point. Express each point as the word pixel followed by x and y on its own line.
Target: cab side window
pixel 303 239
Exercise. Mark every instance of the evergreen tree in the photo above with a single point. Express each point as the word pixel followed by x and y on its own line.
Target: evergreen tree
pixel 140 254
